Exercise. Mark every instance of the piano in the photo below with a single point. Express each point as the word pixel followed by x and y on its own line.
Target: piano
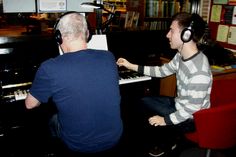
pixel 19 61
pixel 21 56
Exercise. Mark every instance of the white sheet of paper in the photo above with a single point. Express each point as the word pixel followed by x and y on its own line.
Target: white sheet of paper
pixel 232 35
pixel 98 41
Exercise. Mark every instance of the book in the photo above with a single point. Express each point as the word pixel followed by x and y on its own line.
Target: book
pixel 228 14
pixel 232 2
pixel 129 19
pixel 135 19
pixel 152 8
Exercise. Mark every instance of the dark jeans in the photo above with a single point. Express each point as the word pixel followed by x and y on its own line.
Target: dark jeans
pixel 159 105
pixel 54 127
pixel 162 106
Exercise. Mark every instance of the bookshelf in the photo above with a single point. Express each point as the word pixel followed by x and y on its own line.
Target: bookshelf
pixel 222 22
pixel 165 8
pixel 156 14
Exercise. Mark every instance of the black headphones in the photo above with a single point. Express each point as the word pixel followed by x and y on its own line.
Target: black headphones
pixel 57 36
pixel 57 33
pixel 187 33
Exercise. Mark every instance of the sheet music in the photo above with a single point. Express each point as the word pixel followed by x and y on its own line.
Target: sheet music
pixel 98 41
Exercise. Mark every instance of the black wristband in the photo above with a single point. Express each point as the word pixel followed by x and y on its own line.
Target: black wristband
pixel 167 120
pixel 140 69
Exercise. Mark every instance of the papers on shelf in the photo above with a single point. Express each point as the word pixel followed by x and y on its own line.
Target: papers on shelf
pixel 216 68
pixel 227 34
pixel 222 33
pixel 216 13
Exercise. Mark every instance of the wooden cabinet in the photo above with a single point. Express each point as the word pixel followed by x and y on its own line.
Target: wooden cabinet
pixel 168 84
pixel 226 74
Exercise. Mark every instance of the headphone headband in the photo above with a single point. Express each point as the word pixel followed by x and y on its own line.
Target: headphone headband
pixel 57 33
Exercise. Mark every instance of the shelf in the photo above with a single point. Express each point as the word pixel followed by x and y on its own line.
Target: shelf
pixel 164 8
pixel 120 5
pixel 154 11
pixel 222 24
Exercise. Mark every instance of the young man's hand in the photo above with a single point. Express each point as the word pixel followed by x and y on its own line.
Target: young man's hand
pixel 157 121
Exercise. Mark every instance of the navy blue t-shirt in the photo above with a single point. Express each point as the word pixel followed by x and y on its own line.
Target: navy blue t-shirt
pixel 85 88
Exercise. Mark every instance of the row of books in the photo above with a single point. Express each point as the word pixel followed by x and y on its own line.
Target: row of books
pixel 164 8
pixel 156 25
pixel 131 19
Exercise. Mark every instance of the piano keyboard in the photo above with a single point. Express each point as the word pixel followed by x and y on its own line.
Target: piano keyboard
pixel 131 77
pixel 16 96
pixel 20 94
pixel 15 92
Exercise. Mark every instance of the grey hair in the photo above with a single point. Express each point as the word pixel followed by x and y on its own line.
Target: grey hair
pixel 73 25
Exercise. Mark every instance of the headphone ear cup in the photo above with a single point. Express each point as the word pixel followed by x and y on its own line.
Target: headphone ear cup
pixel 186 34
pixel 89 35
pixel 57 36
pixel 89 31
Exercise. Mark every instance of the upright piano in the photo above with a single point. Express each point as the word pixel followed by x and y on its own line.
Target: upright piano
pixel 19 59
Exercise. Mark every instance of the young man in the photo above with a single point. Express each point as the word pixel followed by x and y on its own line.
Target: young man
pixel 88 119
pixel 193 75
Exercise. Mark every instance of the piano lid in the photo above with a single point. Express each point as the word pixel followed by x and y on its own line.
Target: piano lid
pixel 20 57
